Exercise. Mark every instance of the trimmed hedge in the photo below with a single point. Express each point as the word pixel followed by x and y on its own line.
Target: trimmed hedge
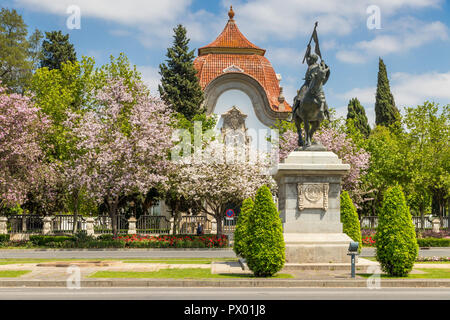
pixel 350 220
pixel 433 242
pixel 395 238
pixel 266 249
pixel 241 231
pixel 41 240
pixel 4 237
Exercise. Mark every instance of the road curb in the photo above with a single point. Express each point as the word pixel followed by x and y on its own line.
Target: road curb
pixel 282 283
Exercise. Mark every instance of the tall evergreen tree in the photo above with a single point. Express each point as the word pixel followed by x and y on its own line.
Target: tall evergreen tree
pixel 57 49
pixel 15 66
pixel 357 112
pixel 180 87
pixel 386 112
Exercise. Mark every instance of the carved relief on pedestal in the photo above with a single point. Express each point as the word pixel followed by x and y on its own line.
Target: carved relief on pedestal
pixel 233 129
pixel 312 195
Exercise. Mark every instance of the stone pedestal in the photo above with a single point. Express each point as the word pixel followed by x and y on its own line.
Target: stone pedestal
pixel 436 225
pixel 132 225
pixel 47 225
pixel 309 184
pixel 90 227
pixel 3 225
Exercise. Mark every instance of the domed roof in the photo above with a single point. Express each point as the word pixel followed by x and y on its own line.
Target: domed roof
pixel 233 52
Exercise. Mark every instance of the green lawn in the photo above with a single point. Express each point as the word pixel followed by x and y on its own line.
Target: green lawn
pixel 431 262
pixel 180 260
pixel 190 273
pixel 13 273
pixel 430 274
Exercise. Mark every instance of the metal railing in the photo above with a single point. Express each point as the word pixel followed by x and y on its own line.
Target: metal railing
pixel 188 224
pixel 103 224
pixel 25 223
pixel 62 223
pixel 420 223
pixel 152 225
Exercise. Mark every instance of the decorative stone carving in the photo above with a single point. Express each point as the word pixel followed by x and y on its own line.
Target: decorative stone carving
pixel 234 130
pixel 232 68
pixel 312 195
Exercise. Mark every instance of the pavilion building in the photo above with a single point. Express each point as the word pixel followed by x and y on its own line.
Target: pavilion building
pixel 239 83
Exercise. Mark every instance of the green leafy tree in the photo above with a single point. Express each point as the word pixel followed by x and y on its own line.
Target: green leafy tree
pixel 387 164
pixel 266 250
pixel 241 234
pixel 428 157
pixel 386 112
pixel 15 63
pixel 358 114
pixel 56 49
pixel 180 87
pixel 349 219
pixel 396 241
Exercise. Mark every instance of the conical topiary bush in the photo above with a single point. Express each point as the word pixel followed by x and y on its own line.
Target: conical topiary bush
pixel 241 231
pixel 396 241
pixel 265 248
pixel 349 219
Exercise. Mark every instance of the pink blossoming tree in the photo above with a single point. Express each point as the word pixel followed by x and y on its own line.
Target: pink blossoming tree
pixel 124 145
pixel 343 146
pixel 222 175
pixel 21 130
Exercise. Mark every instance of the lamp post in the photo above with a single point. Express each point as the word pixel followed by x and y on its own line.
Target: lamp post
pixel 353 252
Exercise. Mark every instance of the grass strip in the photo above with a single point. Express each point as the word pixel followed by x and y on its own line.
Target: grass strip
pixel 189 273
pixel 13 273
pixel 429 274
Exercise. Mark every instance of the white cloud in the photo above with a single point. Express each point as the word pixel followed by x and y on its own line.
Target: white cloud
pixel 404 35
pixel 131 12
pixel 287 19
pixel 151 21
pixel 285 56
pixel 151 77
pixel 408 89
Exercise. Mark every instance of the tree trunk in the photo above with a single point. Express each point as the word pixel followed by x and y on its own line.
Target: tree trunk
pixel 219 221
pixel 112 206
pixel 75 211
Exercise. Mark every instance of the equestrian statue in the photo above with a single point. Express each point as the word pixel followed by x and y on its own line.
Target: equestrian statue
pixel 310 107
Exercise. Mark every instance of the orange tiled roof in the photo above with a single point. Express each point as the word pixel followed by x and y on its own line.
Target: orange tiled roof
pixel 232 49
pixel 258 67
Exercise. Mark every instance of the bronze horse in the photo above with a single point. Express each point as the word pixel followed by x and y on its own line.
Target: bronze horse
pixel 312 108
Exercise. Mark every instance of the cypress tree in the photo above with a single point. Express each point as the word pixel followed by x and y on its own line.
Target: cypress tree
pixel 395 239
pixel 180 87
pixel 241 232
pixel 357 112
pixel 57 49
pixel 386 112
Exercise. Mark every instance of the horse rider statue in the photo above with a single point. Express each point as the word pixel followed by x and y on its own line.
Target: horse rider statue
pixel 310 106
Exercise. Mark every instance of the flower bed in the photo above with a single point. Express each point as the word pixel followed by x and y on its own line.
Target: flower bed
pixel 368 241
pixel 174 241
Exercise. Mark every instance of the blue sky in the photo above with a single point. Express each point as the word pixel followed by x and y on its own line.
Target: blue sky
pixel 414 39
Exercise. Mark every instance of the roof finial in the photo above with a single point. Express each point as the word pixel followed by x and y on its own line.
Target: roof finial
pixel 231 13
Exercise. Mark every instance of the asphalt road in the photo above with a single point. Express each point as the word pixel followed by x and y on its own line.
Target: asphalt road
pixel 225 294
pixel 173 253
